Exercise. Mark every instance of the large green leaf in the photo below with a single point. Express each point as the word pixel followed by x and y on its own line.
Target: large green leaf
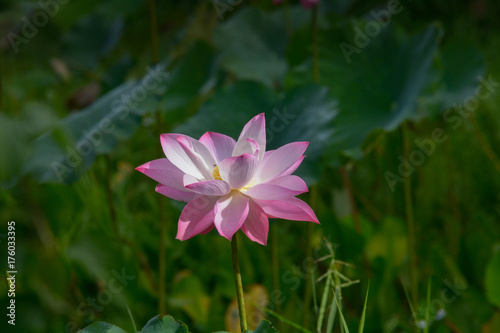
pixel 380 87
pixel 100 327
pixel 189 76
pixel 383 80
pixel 164 324
pixel 63 153
pixel 256 53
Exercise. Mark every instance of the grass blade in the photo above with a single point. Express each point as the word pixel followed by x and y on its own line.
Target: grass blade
pixel 286 321
pixel 332 314
pixel 363 315
pixel 427 310
pixel 342 319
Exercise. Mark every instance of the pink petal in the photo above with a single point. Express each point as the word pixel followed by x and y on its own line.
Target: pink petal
pixel 221 146
pixel 256 226
pixel 239 170
pixel 175 194
pixel 279 161
pixel 255 129
pixel 294 167
pixel 196 218
pixel 164 172
pixel 210 187
pixel 231 211
pixel 280 188
pixel 188 162
pixel 288 209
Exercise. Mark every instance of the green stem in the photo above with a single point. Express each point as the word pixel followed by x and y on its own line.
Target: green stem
pixel 309 254
pixel 1 82
pixel 315 44
pixel 352 201
pixel 111 203
pixel 286 15
pixel 483 142
pixel 154 31
pixel 238 284
pixel 409 221
pixel 275 263
pixel 161 215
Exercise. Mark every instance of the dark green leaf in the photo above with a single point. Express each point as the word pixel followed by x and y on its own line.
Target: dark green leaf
pixel 380 87
pixel 100 327
pixel 251 53
pixel 164 324
pixel 65 152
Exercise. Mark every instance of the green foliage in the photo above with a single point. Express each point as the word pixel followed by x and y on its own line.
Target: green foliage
pixel 492 277
pixel 84 216
pixel 165 324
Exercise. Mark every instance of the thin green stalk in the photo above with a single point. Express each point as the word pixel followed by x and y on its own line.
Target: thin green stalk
pixel 332 315
pixel 324 298
pixel 1 81
pixel 410 303
pixel 275 262
pixel 289 322
pixel 238 284
pixel 154 31
pixel 307 294
pixel 352 201
pixel 483 142
pixel 315 44
pixel 286 16
pixel 363 315
pixel 131 318
pixel 111 203
pixel 409 221
pixel 162 271
pixel 427 308
pixel 342 319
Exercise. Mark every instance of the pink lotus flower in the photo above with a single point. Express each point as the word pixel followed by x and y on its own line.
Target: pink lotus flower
pixel 231 185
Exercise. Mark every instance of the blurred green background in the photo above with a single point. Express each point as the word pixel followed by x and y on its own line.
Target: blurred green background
pixel 398 99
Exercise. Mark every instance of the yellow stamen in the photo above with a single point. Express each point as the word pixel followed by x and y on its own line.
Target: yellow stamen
pixel 249 185
pixel 216 174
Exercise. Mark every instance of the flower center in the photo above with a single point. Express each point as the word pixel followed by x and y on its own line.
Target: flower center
pixel 249 185
pixel 216 174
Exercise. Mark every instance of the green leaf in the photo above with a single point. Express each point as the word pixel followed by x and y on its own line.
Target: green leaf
pixel 63 153
pixel 164 324
pixel 188 77
pixel 492 279
pixel 255 54
pixel 265 327
pixel 93 37
pixel 380 88
pixel 101 327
